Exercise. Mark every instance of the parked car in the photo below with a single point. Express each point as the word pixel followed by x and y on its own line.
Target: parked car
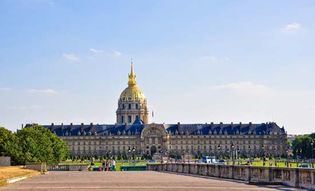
pixel 221 162
pixel 208 160
pixel 305 165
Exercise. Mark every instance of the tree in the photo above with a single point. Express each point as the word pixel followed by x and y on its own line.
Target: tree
pixel 9 145
pixel 38 144
pixel 303 146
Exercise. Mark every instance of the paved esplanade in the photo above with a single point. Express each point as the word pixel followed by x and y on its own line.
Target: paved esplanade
pixel 144 180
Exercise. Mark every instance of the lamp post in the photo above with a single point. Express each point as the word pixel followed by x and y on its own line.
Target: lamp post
pixel 232 147
pixel 312 144
pixel 237 157
pixel 129 151
pixel 249 153
pixel 219 148
pixel 263 153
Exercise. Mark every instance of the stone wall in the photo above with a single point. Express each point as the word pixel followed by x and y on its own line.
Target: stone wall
pixel 5 161
pixel 58 167
pixel 295 177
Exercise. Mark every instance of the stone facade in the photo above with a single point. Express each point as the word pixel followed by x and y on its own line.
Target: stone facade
pixel 139 139
pixel 133 135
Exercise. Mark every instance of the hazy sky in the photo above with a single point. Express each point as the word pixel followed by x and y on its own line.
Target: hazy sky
pixel 196 61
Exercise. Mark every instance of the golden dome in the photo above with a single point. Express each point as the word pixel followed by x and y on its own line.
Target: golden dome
pixel 132 92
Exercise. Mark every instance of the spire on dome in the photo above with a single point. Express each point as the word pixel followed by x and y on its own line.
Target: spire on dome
pixel 132 76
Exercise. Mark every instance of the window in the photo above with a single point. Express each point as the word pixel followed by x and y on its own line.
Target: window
pixel 137 117
pixel 129 106
pixel 123 106
pixel 137 106
pixel 129 119
pixel 122 119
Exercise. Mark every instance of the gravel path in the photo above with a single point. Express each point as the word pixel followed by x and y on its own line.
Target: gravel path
pixel 145 180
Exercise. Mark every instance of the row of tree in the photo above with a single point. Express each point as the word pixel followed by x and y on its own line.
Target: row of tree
pixel 304 146
pixel 32 145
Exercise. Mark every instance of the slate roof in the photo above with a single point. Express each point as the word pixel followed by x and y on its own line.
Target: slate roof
pixel 173 129
pixel 227 129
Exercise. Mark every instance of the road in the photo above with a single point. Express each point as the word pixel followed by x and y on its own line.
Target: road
pixel 118 181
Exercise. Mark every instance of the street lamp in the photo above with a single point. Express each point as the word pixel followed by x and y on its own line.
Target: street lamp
pixel 312 144
pixel 237 156
pixel 219 148
pixel 232 147
pixel 263 153
pixel 129 151
pixel 249 153
pixel 263 150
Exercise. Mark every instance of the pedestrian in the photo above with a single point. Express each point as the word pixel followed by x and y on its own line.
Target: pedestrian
pixel 103 165
pixel 107 165
pixel 113 165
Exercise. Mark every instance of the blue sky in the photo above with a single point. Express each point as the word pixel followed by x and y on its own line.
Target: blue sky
pixel 196 61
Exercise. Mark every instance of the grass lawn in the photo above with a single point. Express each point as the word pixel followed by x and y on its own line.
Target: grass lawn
pixel 269 163
pixel 118 164
pixel 14 171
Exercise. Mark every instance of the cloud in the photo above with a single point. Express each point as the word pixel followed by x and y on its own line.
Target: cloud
pixel 23 108
pixel 5 89
pixel 244 88
pixel 116 53
pixel 292 27
pixel 71 57
pixel 96 50
pixel 43 91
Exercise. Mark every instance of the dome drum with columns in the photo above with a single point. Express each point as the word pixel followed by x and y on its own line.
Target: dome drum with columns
pixel 132 132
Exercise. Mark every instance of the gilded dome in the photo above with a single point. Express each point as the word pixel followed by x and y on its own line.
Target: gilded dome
pixel 132 92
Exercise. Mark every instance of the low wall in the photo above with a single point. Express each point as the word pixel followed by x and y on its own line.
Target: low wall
pixel 5 161
pixel 59 167
pixel 295 177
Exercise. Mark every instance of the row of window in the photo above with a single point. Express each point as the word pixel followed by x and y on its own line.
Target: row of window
pixel 177 147
pixel 215 142
pixel 124 148
pixel 129 106
pixel 129 119
pixel 204 147
pixel 98 143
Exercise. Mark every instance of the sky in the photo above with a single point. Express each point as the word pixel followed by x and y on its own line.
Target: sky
pixel 64 61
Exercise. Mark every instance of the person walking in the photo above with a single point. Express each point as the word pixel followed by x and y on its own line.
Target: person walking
pixel 107 165
pixel 113 165
pixel 103 165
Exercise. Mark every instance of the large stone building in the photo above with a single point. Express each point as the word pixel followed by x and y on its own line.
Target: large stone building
pixel 133 133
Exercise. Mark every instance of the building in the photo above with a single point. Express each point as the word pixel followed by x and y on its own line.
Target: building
pixel 133 134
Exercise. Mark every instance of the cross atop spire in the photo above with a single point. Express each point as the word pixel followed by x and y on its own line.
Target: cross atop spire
pixel 132 76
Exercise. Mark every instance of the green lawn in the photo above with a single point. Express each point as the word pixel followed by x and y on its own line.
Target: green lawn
pixel 268 163
pixel 118 164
